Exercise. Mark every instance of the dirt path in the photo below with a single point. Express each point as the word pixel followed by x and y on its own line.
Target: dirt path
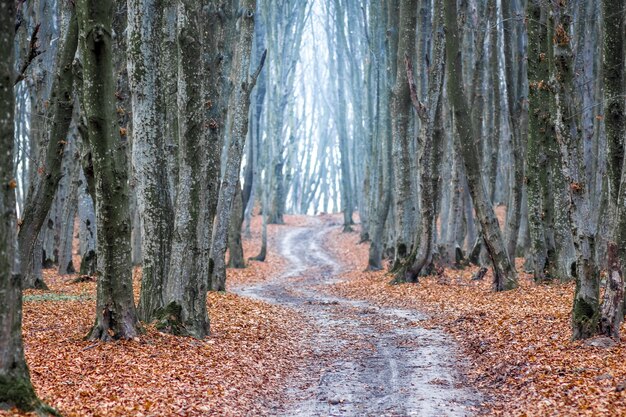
pixel 370 361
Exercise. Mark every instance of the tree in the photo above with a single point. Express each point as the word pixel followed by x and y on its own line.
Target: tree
pixel 540 132
pixel 504 274
pixel 421 259
pixel 115 308
pixel 615 125
pixel 155 203
pixel 240 113
pixel 401 113
pixel 15 386
pixel 381 174
pixel 586 309
pixel 40 199
pixel 201 33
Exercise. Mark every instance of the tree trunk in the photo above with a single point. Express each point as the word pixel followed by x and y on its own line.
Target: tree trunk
pixel 200 34
pixel 41 197
pixel 505 277
pixel 586 309
pixel 540 131
pixel 515 75
pixel 15 386
pixel 87 228
pixel 71 171
pixel 154 202
pixel 115 309
pixel 615 125
pixel 235 247
pixel 420 261
pixel 230 182
pixel 401 117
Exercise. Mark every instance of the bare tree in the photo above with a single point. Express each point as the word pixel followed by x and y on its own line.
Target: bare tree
pixel 115 308
pixel 15 386
pixel 155 203
pixel 244 83
pixel 504 273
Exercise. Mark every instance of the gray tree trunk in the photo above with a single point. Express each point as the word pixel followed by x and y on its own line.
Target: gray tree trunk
pixel 40 199
pixel 71 169
pixel 115 309
pixel 200 36
pixel 401 113
pixel 87 228
pixel 615 125
pixel 235 247
pixel 15 386
pixel 586 309
pixel 244 83
pixel 421 259
pixel 504 273
pixel 154 202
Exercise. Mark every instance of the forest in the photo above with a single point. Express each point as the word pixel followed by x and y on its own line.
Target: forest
pixel 312 207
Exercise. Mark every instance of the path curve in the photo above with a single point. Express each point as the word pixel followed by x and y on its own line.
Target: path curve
pixel 372 361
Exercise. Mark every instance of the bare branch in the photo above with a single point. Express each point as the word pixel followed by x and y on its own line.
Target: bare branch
pixel 19 15
pixel 419 107
pixel 33 53
pixel 258 71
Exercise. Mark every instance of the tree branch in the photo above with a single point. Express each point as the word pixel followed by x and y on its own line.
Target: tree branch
pixel 19 16
pixel 419 107
pixel 258 71
pixel 33 53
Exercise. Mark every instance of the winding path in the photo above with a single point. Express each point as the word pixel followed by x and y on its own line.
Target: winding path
pixel 372 361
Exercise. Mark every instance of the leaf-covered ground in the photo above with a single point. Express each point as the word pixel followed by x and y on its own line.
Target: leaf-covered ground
pixel 517 343
pixel 239 370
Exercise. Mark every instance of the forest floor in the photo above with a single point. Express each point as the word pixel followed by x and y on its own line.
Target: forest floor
pixel 369 360
pixel 309 333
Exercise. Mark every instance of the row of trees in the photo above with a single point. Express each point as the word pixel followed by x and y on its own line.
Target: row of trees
pixel 435 113
pixel 138 98
pixel 460 107
pixel 132 117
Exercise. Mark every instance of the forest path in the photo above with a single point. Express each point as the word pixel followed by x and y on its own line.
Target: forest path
pixel 370 361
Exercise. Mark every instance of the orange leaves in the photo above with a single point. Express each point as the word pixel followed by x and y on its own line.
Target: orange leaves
pixel 518 342
pixel 238 370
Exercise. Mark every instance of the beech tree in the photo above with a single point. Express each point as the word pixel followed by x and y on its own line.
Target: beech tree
pixel 244 84
pixel 15 385
pixel 504 274
pixel 115 308
pixel 615 125
pixel 155 202
pixel 44 187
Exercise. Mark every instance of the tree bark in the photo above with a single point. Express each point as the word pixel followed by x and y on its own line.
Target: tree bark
pixel 200 36
pixel 586 309
pixel 15 385
pixel 505 277
pixel 405 209
pixel 235 247
pixel 115 309
pixel 230 182
pixel 145 38
pixel 540 131
pixel 615 125
pixel 41 197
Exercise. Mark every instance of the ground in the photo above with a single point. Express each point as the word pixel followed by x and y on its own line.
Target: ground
pixel 309 333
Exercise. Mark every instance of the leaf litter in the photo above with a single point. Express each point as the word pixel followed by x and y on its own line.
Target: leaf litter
pixel 518 343
pixel 240 369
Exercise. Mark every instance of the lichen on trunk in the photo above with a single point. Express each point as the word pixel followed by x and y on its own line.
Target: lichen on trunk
pixel 15 385
pixel 115 307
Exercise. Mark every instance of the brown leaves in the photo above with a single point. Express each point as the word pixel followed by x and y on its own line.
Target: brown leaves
pixel 239 370
pixel 518 342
